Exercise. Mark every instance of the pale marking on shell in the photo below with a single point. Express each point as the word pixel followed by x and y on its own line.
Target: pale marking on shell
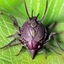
pixel 33 24
pixel 33 32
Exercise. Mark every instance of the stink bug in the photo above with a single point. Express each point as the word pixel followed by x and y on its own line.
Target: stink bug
pixel 33 34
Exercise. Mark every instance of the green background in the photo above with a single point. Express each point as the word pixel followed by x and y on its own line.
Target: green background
pixel 54 13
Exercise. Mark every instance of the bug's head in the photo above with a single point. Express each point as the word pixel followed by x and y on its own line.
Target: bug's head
pixel 33 21
pixel 33 47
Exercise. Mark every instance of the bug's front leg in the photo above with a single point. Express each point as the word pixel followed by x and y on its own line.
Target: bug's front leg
pixel 12 35
pixel 20 51
pixel 10 44
pixel 15 23
pixel 14 20
pixel 18 33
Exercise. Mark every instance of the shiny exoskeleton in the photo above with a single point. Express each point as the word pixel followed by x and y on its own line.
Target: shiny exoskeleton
pixel 33 34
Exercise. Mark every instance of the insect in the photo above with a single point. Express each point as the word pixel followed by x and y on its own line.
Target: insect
pixel 33 34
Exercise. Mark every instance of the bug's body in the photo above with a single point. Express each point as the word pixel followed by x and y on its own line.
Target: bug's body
pixel 33 34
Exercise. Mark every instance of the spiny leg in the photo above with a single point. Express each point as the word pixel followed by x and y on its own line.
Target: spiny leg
pixel 15 44
pixel 52 48
pixel 12 35
pixel 12 17
pixel 20 51
pixel 52 34
pixel 51 25
pixel 45 10
pixel 57 43
pixel 18 33
pixel 21 42
pixel 9 44
pixel 44 50
pixel 14 20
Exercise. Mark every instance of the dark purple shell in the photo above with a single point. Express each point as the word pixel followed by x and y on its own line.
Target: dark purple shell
pixel 29 33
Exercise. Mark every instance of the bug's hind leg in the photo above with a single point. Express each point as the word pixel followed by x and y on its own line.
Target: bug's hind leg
pixel 52 34
pixel 44 50
pixel 52 48
pixel 58 43
pixel 20 51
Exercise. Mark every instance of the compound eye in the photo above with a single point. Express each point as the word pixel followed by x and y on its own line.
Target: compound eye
pixel 33 24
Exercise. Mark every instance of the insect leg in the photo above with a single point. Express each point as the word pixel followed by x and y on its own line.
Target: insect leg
pixel 20 51
pixel 18 33
pixel 14 20
pixel 15 44
pixel 50 36
pixel 12 35
pixel 57 43
pixel 52 25
pixel 52 48
pixel 12 17
pixel 44 50
pixel 8 44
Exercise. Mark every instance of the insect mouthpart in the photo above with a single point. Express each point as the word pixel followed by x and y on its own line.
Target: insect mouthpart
pixel 33 53
pixel 33 47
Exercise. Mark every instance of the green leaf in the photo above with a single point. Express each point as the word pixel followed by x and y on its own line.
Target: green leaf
pixel 54 13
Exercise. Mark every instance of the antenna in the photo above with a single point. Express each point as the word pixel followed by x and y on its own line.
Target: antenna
pixel 45 10
pixel 26 9
pixel 37 15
